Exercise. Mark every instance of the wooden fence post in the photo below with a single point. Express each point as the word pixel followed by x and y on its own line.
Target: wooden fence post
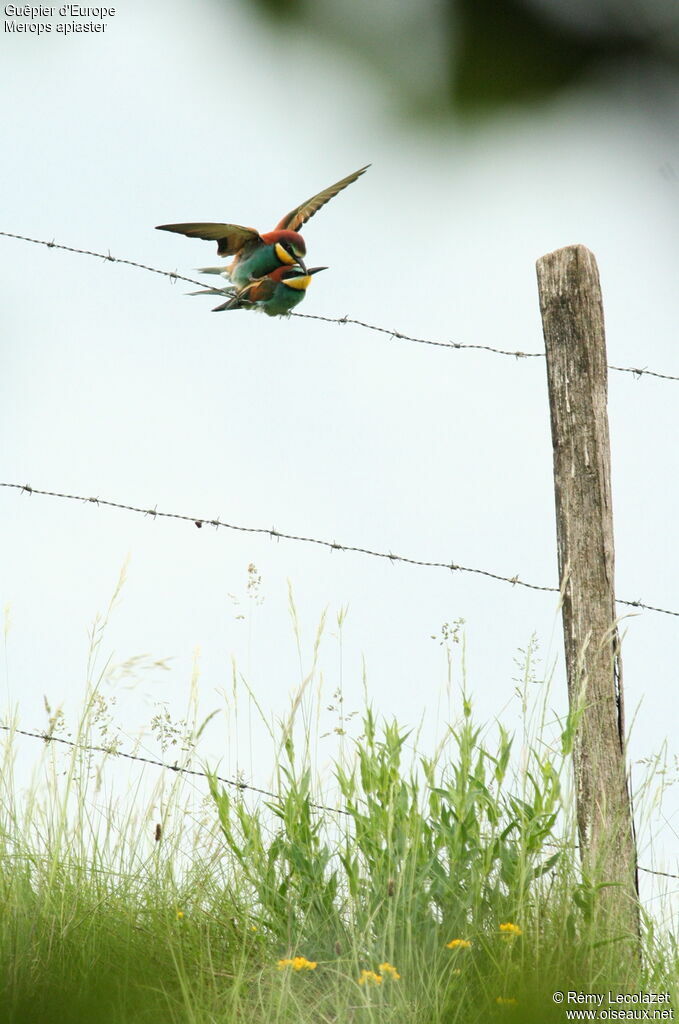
pixel 573 327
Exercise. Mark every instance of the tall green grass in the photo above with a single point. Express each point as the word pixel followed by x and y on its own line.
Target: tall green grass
pixel 396 886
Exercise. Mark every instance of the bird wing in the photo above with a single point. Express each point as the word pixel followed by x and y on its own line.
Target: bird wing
pixel 300 215
pixel 230 238
pixel 256 291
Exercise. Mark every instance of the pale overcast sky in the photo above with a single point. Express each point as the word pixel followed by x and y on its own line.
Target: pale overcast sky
pixel 116 384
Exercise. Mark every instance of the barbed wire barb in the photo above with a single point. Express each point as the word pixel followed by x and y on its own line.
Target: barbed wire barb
pixel 397 335
pixel 331 544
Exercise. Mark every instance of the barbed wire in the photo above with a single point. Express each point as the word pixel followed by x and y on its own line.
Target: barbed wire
pixel 637 372
pixel 112 751
pixel 107 257
pixel 275 534
pixel 652 871
pixel 400 336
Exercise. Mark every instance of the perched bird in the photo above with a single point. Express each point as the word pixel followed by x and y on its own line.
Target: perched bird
pixel 276 294
pixel 258 255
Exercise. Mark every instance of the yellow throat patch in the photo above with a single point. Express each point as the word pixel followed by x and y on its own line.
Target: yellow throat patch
pixel 300 283
pixel 283 255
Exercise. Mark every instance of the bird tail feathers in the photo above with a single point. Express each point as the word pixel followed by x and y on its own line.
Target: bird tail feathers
pixel 214 270
pixel 231 304
pixel 215 291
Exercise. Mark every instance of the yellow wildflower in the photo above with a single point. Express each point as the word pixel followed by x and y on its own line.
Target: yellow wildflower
pixel 298 963
pixel 510 929
pixel 458 944
pixel 502 1001
pixel 387 968
pixel 370 976
pixel 180 915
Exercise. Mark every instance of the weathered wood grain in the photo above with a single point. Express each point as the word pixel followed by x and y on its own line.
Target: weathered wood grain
pixel 573 327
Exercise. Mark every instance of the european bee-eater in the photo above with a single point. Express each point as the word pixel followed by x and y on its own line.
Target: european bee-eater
pixel 258 255
pixel 276 294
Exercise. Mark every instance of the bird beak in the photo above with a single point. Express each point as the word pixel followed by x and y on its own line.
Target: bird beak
pixel 302 265
pixel 315 270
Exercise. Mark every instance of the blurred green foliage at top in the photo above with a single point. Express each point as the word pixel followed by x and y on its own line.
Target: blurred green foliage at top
pixel 476 55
